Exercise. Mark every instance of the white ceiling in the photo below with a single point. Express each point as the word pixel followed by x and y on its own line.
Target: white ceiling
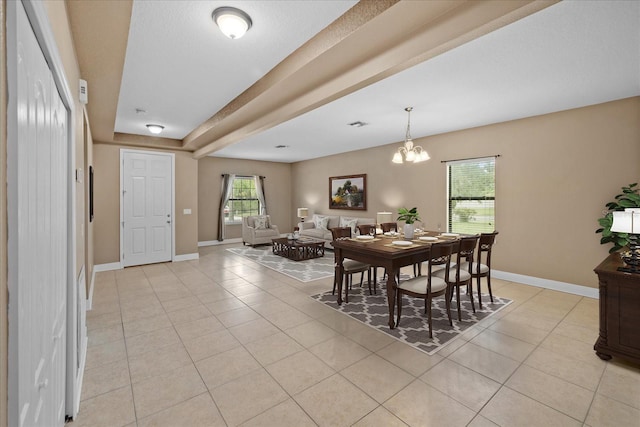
pixel 181 69
pixel 569 55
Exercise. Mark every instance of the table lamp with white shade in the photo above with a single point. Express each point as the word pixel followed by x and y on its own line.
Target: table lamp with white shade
pixel 303 213
pixel 628 221
pixel 381 218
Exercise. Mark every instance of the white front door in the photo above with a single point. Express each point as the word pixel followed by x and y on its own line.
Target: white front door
pixel 147 223
pixel 38 180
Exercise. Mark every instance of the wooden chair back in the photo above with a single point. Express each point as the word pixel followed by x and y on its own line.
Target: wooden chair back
pixel 440 255
pixel 466 249
pixel 484 246
pixel 389 226
pixel 366 228
pixel 340 233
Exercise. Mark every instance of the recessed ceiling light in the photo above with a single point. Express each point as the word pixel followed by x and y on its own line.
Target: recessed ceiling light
pixel 358 124
pixel 232 22
pixel 155 129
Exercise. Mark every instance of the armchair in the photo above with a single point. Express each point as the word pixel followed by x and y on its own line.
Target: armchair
pixel 254 234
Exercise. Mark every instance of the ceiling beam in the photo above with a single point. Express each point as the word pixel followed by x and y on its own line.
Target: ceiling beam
pixel 398 37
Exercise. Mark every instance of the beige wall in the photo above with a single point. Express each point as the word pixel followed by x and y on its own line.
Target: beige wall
pixel 106 204
pixel 277 191
pixel 106 160
pixel 186 198
pixel 554 176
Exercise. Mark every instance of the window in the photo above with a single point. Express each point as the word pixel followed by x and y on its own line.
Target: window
pixel 243 201
pixel 471 189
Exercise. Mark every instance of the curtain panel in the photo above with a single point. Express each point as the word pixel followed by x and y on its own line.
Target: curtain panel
pixel 225 194
pixel 260 193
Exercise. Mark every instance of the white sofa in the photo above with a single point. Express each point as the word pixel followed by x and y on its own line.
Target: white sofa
pixel 258 236
pixel 309 229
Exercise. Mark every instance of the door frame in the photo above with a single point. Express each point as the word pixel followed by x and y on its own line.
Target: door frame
pixel 39 20
pixel 173 198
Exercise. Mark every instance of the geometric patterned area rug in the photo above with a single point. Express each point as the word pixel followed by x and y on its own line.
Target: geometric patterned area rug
pixel 372 310
pixel 304 271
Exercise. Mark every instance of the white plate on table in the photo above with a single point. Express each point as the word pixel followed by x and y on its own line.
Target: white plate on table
pixel 428 238
pixel 450 235
pixel 364 237
pixel 391 233
pixel 401 243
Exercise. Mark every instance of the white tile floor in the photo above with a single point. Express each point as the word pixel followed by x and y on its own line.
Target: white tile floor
pixel 222 341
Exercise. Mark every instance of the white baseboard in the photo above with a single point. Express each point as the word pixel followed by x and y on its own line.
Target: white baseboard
pixel 186 257
pixel 569 288
pixel 90 296
pixel 218 242
pixel 107 267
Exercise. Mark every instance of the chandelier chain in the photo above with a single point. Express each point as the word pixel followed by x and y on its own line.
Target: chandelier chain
pixel 408 135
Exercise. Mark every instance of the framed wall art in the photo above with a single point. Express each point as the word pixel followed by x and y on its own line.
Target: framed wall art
pixel 348 192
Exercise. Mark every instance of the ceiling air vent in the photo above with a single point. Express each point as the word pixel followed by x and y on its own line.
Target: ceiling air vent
pixel 358 124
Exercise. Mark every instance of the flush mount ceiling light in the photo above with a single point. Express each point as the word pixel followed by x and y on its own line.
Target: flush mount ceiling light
pixel 155 129
pixel 232 22
pixel 415 154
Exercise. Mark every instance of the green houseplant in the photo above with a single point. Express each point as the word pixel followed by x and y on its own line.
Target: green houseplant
pixel 409 216
pixel 629 198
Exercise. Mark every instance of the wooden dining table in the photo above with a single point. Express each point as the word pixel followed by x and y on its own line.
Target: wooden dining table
pixel 381 252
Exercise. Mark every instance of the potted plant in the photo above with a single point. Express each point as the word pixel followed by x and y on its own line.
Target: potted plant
pixel 409 216
pixel 630 198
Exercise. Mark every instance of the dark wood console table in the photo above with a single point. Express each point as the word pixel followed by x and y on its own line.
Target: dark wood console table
pixel 619 311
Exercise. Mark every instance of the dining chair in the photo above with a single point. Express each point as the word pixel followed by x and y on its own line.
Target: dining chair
pixel 349 266
pixel 429 286
pixel 458 275
pixel 365 229
pixel 393 226
pixel 389 226
pixel 480 269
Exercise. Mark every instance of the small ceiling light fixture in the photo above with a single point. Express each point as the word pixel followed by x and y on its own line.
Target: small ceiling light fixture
pixel 232 22
pixel 155 129
pixel 415 154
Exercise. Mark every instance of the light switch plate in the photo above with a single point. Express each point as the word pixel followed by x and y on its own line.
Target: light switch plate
pixel 187 211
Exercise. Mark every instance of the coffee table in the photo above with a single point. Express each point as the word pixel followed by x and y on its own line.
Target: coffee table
pixel 298 249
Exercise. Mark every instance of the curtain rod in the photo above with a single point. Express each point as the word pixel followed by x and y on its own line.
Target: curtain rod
pixel 240 174
pixel 469 158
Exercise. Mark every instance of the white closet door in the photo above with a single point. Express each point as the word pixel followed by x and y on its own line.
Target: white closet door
pixel 41 237
pixel 146 207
